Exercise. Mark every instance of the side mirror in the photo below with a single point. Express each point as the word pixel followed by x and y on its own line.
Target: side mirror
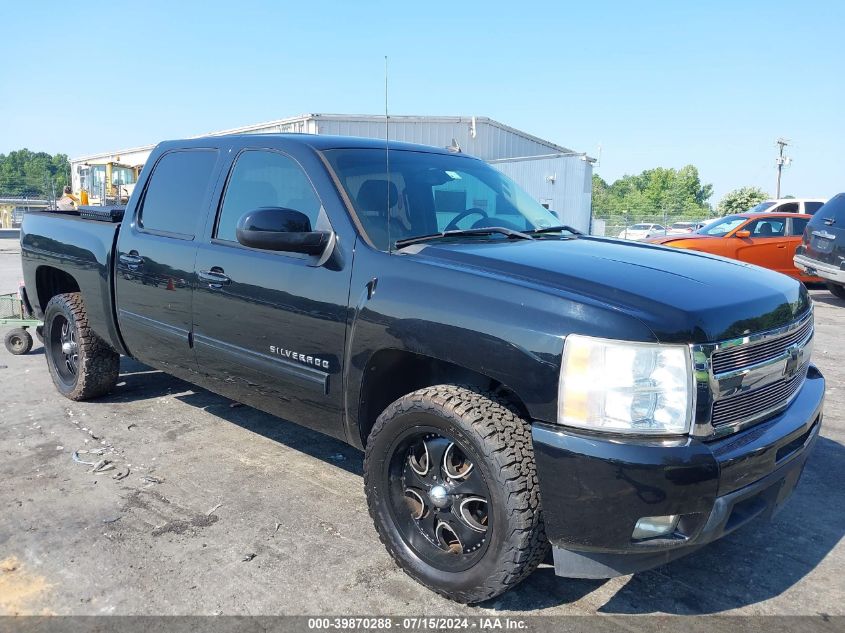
pixel 280 229
pixel 743 234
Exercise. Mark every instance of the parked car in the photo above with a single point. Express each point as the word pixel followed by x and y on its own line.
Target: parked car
pixel 764 239
pixel 807 206
pixel 822 249
pixel 680 228
pixel 515 385
pixel 642 231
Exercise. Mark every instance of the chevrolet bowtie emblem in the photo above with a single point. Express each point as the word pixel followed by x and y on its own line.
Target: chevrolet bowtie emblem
pixel 793 361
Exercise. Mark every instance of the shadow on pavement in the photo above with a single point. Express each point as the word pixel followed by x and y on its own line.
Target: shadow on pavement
pixel 754 564
pixel 140 382
pixel 829 299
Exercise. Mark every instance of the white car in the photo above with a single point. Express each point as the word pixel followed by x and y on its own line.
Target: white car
pixel 789 205
pixel 642 231
pixel 679 228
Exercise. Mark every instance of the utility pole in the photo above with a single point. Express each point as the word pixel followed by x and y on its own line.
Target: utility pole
pixel 781 161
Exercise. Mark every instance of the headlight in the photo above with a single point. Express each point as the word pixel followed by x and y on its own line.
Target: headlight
pixel 622 387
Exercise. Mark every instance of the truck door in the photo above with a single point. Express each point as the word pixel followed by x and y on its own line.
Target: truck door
pixel 767 245
pixel 269 326
pixel 155 260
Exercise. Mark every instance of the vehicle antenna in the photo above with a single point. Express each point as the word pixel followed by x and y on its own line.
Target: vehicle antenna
pixel 387 156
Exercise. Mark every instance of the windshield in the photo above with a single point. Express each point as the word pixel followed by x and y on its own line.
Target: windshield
pixel 429 193
pixel 761 207
pixel 122 176
pixel 722 226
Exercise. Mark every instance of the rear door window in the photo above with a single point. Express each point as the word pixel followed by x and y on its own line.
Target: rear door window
pixel 811 207
pixel 798 225
pixel 174 201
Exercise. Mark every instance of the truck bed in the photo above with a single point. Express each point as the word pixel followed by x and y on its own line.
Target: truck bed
pixel 64 247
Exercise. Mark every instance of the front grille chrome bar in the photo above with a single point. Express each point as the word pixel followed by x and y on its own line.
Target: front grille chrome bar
pixel 745 380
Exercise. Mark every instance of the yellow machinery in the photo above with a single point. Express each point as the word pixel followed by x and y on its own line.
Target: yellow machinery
pixel 107 183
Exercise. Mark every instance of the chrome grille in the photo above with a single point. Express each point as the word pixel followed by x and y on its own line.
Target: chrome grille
pixel 742 356
pixel 748 405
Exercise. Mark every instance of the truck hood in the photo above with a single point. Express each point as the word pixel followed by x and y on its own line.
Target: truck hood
pixel 676 237
pixel 682 296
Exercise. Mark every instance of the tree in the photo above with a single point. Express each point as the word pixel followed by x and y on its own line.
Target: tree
pixel 33 174
pixel 741 200
pixel 658 191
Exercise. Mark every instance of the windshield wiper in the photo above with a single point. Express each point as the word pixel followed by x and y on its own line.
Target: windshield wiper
pixel 555 229
pixel 487 230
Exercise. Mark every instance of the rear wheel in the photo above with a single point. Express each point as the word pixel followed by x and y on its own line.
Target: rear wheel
pixel 836 290
pixel 81 364
pixel 452 488
pixel 18 341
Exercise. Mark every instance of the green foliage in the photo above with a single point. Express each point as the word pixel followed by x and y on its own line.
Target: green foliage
pixel 33 174
pixel 741 200
pixel 673 192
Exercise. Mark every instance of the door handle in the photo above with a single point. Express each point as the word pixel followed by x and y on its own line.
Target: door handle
pixel 214 278
pixel 131 259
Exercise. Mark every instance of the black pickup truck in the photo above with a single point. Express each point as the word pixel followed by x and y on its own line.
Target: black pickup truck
pixel 516 385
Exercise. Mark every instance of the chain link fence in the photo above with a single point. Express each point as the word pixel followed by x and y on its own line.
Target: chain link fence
pixel 618 225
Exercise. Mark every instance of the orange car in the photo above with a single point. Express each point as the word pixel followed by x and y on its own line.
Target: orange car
pixel 765 239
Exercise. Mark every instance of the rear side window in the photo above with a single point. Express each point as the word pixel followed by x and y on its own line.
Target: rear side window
pixel 798 225
pixel 262 178
pixel 173 202
pixel 833 212
pixel 811 207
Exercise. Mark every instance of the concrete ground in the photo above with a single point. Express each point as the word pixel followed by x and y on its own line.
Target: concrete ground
pixel 214 508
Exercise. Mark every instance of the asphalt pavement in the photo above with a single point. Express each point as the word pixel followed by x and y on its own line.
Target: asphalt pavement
pixel 215 508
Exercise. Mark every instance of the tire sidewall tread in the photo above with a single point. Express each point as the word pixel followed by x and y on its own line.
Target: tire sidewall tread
pixel 494 430
pixel 98 366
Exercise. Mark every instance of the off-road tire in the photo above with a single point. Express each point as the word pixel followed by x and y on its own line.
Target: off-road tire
pixel 98 365
pixel 836 290
pixel 501 439
pixel 18 341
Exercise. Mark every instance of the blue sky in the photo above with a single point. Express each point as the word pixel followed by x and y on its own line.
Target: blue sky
pixel 656 84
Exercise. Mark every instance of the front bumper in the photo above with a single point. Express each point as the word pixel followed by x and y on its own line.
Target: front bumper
pixel 595 488
pixel 819 269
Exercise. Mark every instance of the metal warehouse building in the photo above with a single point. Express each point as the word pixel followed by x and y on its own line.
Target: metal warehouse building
pixel 561 179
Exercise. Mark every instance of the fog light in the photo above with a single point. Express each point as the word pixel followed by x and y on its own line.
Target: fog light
pixel 651 527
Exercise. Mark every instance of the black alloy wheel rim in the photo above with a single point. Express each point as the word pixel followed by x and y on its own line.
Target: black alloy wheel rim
pixel 439 499
pixel 64 349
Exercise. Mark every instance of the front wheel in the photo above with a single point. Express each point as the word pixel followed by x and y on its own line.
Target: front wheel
pixel 81 364
pixel 836 290
pixel 452 488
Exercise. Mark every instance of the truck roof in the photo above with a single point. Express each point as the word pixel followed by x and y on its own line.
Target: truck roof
pixel 315 141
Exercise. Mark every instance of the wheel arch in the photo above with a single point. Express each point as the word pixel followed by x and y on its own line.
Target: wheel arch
pixel 51 281
pixel 392 373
